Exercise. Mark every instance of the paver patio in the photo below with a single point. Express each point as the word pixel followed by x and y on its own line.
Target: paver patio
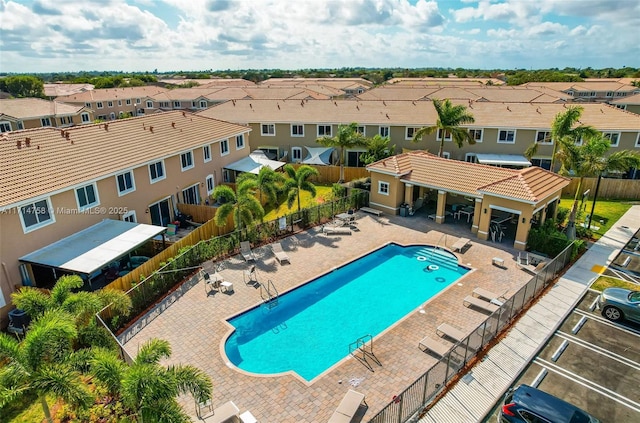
pixel 196 328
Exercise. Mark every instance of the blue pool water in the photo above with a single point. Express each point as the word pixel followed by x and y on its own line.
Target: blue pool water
pixel 312 326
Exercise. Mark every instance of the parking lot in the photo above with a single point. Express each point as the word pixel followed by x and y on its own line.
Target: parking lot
pixel 590 362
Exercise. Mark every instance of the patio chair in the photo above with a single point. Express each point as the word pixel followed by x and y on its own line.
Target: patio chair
pixel 348 407
pixel 487 295
pixel 227 412
pixel 460 244
pixel 281 256
pixel 429 344
pixel 245 250
pixel 471 301
pixel 449 331
pixel 250 275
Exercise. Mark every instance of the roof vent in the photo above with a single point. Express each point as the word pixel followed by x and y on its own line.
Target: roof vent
pixel 106 126
pixel 19 144
pixel 184 114
pixel 66 134
pixel 173 124
pixel 384 103
pixel 508 108
pixel 62 132
pixel 27 142
pixel 151 129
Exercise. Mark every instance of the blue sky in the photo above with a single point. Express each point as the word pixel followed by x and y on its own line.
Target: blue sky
pixel 143 35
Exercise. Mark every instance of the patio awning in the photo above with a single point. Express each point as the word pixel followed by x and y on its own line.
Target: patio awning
pixel 318 155
pixel 503 160
pixel 254 162
pixel 93 248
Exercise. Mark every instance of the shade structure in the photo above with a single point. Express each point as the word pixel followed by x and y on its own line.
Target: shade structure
pixel 95 247
pixel 254 162
pixel 318 155
pixel 503 160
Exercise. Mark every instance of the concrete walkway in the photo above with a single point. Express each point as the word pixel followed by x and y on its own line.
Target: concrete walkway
pixel 471 400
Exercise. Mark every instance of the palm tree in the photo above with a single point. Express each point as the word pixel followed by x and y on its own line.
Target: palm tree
pixel 378 148
pixel 242 204
pixel 563 126
pixel 298 181
pixel 589 160
pixel 267 182
pixel 450 118
pixel 39 363
pixel 348 137
pixel 82 305
pixel 147 388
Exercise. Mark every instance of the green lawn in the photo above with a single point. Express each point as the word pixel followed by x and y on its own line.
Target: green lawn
pixel 605 215
pixel 323 193
pixel 607 282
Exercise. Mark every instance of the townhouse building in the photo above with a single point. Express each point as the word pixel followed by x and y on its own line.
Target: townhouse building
pixel 113 103
pixel 630 103
pixel 594 90
pixel 58 182
pixel 502 131
pixel 28 113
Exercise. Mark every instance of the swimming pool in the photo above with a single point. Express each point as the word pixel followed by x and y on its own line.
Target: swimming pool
pixel 312 326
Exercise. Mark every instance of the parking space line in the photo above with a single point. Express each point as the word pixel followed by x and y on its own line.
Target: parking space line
pixel 607 322
pixel 599 350
pixel 588 384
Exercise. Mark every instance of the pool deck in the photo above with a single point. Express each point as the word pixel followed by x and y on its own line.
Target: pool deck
pixel 195 324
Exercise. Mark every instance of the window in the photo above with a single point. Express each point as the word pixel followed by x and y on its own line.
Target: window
pixel 638 140
pixel 156 171
pixel 130 216
pixel 613 137
pixel 543 163
pixel 36 215
pixel 65 120
pixel 128 102
pixel 5 127
pixel 410 132
pixel 206 153
pixel 99 104
pixel 87 197
pixel 324 130
pixel 87 105
pixel 186 160
pixel 476 134
pixel 297 130
pixel 45 121
pixel 191 195
pixel 507 136
pixel 226 175
pixel 210 184
pixel 543 137
pixel 177 105
pixel 360 130
pixel 119 102
pixel 353 159
pixel 203 104
pixel 470 158
pixel 268 129
pixel 112 115
pixel 149 104
pixel 383 188
pixel 446 155
pixel 224 147
pixel 125 183
pixel 447 135
pixel 20 124
pixel 384 131
pixel 85 118
pixel 109 103
pixel 296 154
pixel 239 141
pixel 164 104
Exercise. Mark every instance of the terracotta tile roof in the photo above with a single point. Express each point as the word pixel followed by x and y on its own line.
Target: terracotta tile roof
pixel 338 83
pixel 210 83
pixel 630 99
pixel 417 113
pixel 58 89
pixel 106 94
pixel 591 85
pixel 430 82
pixel 505 94
pixel 53 162
pixel 25 108
pixel 425 169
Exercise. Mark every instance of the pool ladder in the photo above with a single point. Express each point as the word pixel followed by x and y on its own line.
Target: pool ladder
pixel 269 294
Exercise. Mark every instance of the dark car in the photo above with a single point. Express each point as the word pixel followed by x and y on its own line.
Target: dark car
pixel 619 303
pixel 526 404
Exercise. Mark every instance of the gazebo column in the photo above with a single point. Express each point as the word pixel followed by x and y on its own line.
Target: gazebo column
pixel 423 192
pixel 440 209
pixel 408 194
pixel 484 220
pixel 543 215
pixel 524 225
pixel 476 215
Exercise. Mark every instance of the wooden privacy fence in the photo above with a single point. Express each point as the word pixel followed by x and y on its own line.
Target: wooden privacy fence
pixel 619 189
pixel 331 174
pixel 199 213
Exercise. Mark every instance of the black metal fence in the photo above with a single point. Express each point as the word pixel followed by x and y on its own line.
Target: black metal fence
pixel 421 393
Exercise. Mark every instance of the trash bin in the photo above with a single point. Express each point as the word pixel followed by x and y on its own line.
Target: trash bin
pixel 404 210
pixel 19 318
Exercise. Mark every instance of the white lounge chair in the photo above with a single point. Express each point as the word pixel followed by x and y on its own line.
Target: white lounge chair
pixel 429 344
pixel 336 230
pixel 371 211
pixel 449 331
pixel 487 295
pixel 281 256
pixel 227 412
pixel 480 304
pixel 460 244
pixel 245 250
pixel 348 407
